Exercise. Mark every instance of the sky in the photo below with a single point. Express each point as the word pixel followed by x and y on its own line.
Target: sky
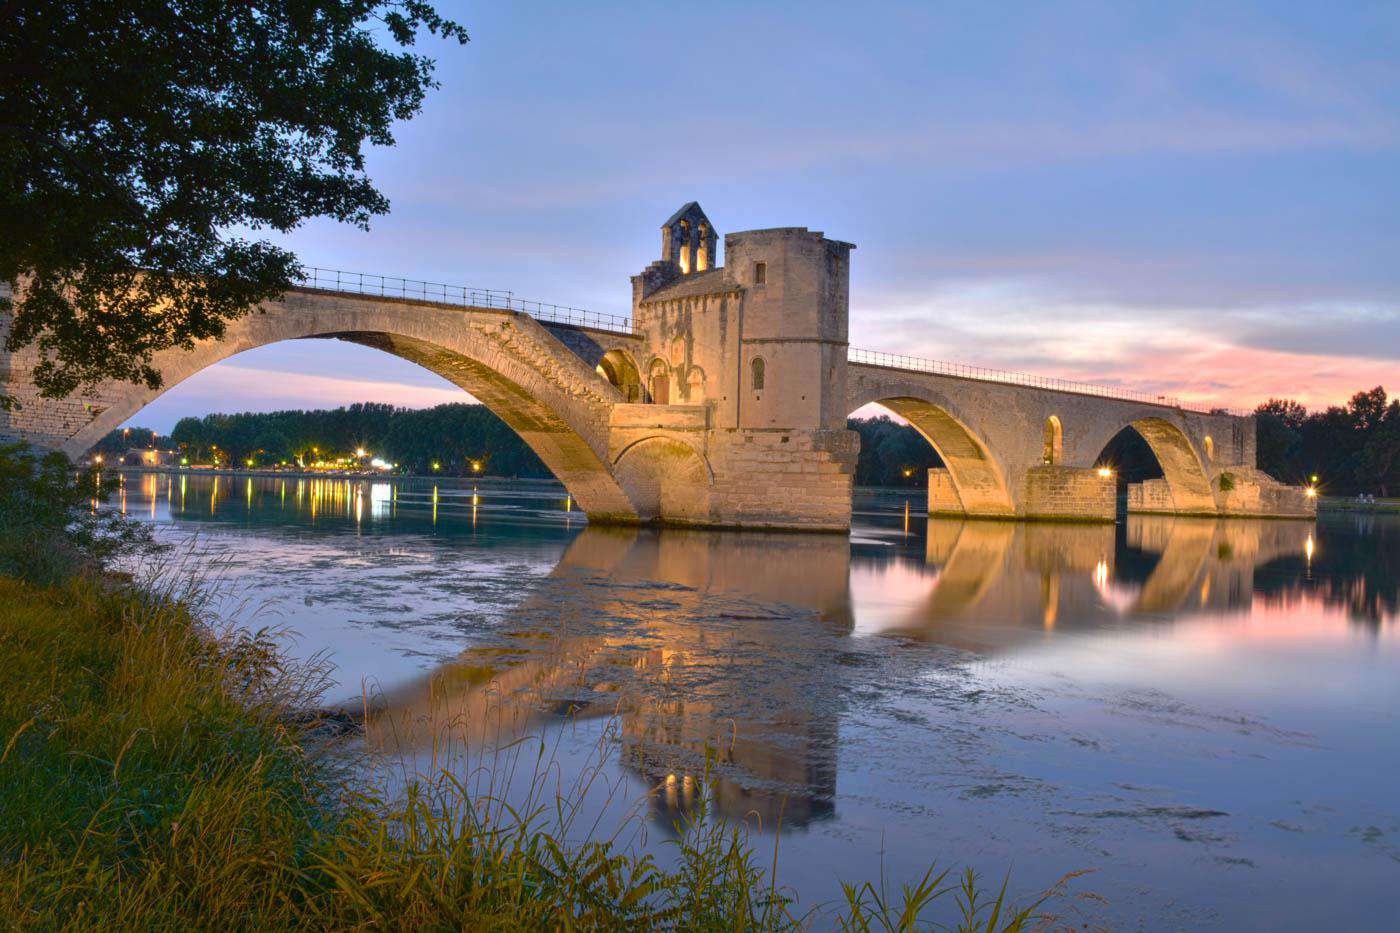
pixel 1200 200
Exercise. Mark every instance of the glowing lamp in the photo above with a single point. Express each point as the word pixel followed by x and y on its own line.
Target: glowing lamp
pixel 1312 492
pixel 1105 472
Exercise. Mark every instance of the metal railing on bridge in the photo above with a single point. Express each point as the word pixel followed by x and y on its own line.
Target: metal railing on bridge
pixel 984 374
pixel 389 286
pixel 364 283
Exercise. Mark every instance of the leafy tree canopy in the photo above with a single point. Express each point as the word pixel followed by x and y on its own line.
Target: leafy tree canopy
pixel 1351 449
pixel 135 137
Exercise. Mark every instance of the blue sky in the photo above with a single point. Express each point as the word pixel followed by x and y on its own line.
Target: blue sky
pixel 1202 200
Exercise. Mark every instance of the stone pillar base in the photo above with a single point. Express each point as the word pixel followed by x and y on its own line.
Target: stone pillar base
pixel 1069 494
pixel 795 480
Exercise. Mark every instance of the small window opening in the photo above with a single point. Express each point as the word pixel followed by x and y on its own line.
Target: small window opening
pixel 758 371
pixel 1054 441
pixel 760 273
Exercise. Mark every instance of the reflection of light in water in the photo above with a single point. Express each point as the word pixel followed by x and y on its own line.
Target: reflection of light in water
pixel 182 491
pixel 380 499
pixel 249 495
pixel 359 504
pixel 1119 597
pixel 435 501
pixel 1309 548
pixel 568 503
pixel 881 595
pixel 214 496
pixel 1101 575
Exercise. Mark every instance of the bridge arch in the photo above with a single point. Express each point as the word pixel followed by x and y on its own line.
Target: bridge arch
pixel 977 476
pixel 666 477
pixel 619 368
pixel 1184 472
pixel 507 361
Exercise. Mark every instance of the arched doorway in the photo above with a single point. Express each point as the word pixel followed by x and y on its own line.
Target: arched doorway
pixel 617 367
pixel 659 382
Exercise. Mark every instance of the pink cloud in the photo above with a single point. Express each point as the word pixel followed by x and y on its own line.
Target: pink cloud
pixel 1242 377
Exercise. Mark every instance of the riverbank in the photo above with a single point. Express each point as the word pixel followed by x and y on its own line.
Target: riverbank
pixel 335 475
pixel 154 775
pixel 1350 504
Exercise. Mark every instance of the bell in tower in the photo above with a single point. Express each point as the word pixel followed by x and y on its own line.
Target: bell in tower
pixel 688 240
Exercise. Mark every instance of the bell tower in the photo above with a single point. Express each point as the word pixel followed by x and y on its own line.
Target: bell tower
pixel 688 240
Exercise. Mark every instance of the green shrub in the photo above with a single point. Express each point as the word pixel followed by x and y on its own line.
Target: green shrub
pixel 50 524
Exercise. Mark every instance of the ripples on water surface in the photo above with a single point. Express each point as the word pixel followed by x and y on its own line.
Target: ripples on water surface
pixel 1204 712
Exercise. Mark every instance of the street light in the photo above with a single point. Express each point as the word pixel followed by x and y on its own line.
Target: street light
pixel 359 451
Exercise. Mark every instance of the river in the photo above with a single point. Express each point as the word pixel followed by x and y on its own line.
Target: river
pixel 1205 714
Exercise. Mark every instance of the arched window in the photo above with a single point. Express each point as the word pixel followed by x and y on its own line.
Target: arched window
pixel 1054 441
pixel 695 385
pixel 758 373
pixel 659 382
pixel 1210 449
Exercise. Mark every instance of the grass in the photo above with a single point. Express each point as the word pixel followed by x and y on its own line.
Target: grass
pixel 154 775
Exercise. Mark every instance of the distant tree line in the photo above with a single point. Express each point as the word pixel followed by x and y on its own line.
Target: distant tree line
pixel 1351 449
pixel 891 453
pixel 452 436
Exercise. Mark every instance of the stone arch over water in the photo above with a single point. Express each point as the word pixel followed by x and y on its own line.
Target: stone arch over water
pixel 556 403
pixel 1184 471
pixel 978 480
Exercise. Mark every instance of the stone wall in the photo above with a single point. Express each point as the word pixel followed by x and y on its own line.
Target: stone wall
pixel 1153 495
pixel 1254 492
pixel 784 479
pixel 1075 493
pixel 943 496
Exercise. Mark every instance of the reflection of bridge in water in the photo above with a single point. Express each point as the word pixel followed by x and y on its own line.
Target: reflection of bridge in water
pixel 739 643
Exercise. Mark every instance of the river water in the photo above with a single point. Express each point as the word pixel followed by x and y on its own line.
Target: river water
pixel 1204 714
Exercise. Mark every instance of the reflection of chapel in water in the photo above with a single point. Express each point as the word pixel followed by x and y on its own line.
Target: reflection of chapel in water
pixel 734 645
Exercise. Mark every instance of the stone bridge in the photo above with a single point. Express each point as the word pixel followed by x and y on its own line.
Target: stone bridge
pixel 724 400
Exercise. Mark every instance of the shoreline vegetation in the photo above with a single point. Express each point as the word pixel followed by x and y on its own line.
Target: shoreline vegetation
pixel 158 769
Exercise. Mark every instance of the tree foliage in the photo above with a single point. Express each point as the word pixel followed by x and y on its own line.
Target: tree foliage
pixel 138 135
pixel 1351 449
pixel 50 527
pixel 889 450
pixel 453 436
